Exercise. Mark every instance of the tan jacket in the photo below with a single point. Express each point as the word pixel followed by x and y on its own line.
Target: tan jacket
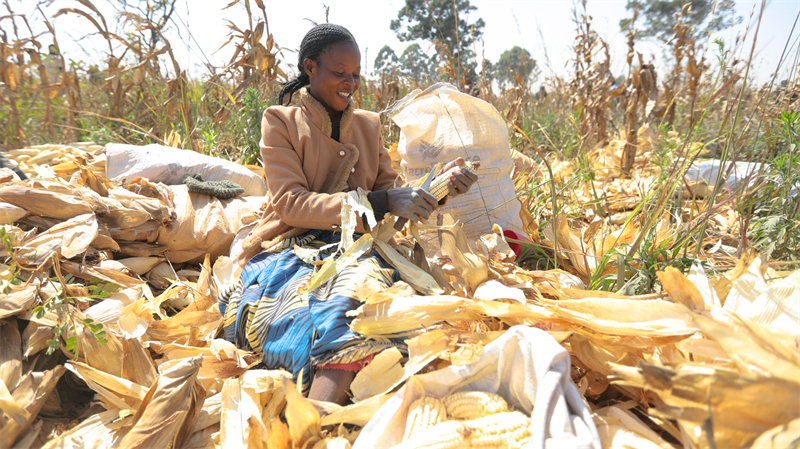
pixel 306 170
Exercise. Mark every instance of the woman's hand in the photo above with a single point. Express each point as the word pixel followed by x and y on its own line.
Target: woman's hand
pixel 461 181
pixel 413 203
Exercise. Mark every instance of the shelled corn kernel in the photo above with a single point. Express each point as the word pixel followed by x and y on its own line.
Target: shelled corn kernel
pixel 423 414
pixel 473 404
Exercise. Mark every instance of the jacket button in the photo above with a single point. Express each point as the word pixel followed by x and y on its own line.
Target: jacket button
pixel 341 153
pixel 353 170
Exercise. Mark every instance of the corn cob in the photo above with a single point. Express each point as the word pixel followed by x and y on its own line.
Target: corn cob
pixel 438 186
pixel 445 435
pixel 424 413
pixel 499 430
pixel 473 404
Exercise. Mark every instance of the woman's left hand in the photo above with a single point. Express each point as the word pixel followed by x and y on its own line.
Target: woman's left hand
pixel 461 181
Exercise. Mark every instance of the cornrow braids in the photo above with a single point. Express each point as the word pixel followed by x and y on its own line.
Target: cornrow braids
pixel 316 42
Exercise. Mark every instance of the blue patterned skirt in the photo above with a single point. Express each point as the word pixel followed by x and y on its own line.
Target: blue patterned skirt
pixel 264 313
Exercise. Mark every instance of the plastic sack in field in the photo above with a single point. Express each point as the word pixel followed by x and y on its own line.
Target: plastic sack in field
pixel 441 124
pixel 171 166
pixel 204 224
pixel 527 367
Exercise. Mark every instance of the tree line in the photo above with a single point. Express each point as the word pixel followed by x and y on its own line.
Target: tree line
pixel 450 36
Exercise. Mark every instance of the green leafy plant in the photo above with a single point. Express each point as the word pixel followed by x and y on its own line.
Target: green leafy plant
pixel 775 227
pixel 64 307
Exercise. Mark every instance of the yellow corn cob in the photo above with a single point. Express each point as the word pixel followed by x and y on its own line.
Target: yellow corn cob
pixel 438 186
pixel 445 435
pixel 424 413
pixel 499 430
pixel 473 404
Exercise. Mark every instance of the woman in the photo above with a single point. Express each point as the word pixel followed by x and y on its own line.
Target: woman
pixel 313 153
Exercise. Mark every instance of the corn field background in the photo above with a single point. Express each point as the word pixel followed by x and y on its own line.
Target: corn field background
pixel 601 161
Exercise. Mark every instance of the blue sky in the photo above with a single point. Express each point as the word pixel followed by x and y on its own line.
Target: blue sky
pixel 542 27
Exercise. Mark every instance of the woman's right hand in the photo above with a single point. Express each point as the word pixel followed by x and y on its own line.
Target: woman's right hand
pixel 413 203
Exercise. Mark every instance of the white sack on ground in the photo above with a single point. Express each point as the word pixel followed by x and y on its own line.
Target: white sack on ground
pixel 159 163
pixel 441 124
pixel 732 176
pixel 204 224
pixel 527 367
pixel 774 304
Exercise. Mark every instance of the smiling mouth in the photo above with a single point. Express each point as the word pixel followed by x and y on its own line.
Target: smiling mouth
pixel 345 95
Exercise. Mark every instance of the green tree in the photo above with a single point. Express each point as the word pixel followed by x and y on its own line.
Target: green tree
pixel 487 72
pixel 514 64
pixel 386 62
pixel 659 17
pixel 435 21
pixel 417 65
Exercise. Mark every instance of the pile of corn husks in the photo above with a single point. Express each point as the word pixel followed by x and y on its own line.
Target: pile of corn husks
pixel 712 362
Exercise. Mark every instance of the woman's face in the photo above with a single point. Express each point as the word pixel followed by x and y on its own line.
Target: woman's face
pixel 337 75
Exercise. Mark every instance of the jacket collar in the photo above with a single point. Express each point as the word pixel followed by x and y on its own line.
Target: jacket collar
pixel 320 117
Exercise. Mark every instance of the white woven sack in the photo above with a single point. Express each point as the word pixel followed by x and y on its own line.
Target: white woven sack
pixel 441 124
pixel 171 166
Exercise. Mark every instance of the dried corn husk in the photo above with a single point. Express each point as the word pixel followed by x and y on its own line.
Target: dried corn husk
pixel 32 391
pixel 18 300
pixel 91 273
pixel 654 318
pixel 692 393
pixel 379 377
pixel 114 390
pixel 62 204
pixel 10 354
pixel 67 239
pixel 34 338
pixel 236 426
pixel 168 412
pixel 779 436
pixel 140 265
pixel 407 314
pixel 333 266
pixel 141 249
pixel 13 410
pixel 357 414
pixel 302 418
pixel 145 232
pixel 137 366
pixel 185 327
pixel 412 274
pixel 154 208
pixel 10 213
pixel 472 268
pixel 101 431
pixel 162 276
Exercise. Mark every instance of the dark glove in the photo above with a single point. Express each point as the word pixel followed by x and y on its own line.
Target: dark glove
pixel 219 189
pixel 413 203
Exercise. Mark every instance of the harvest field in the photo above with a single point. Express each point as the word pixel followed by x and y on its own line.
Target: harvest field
pixel 661 207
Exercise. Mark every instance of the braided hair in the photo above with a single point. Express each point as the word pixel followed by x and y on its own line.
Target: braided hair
pixel 316 42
